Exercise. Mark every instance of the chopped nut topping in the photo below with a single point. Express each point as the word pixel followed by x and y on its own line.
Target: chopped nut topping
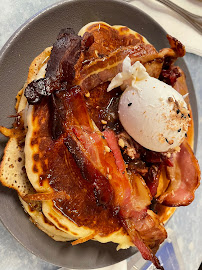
pixel 161 138
pixel 179 117
pixel 177 149
pixel 184 110
pixel 109 176
pixel 107 149
pixel 103 122
pixel 128 145
pixel 130 153
pixel 168 154
pixel 87 94
pixel 121 143
pixel 170 99
pixel 171 142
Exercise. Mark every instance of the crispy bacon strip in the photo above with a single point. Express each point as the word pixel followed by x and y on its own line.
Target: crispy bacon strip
pixel 64 55
pixel 143 226
pixel 88 147
pixel 152 178
pixel 65 67
pixel 104 69
pixel 132 216
pixel 60 69
pixel 112 142
pixel 184 176
pixel 145 251
pixel 89 169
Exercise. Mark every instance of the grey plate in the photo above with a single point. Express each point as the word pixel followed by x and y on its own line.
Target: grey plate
pixel 28 41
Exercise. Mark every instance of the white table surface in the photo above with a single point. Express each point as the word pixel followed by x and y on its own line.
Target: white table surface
pixel 186 222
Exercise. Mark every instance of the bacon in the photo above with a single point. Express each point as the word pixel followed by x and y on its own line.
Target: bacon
pixel 89 169
pixel 60 69
pixel 104 69
pixel 65 67
pixel 170 75
pixel 177 46
pixel 143 226
pixel 152 178
pixel 64 55
pixel 107 172
pixel 184 178
pixel 137 239
pixel 112 142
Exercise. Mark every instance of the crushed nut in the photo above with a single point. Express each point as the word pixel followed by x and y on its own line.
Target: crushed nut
pixel 170 99
pixel 177 149
pixel 87 94
pixel 121 143
pixel 103 122
pixel 168 155
pixel 107 149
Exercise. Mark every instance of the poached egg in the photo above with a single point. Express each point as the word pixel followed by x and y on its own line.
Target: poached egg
pixel 152 112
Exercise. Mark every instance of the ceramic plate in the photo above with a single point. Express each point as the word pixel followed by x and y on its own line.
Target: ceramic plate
pixel 35 35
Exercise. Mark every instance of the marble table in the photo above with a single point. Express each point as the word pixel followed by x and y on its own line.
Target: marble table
pixel 186 221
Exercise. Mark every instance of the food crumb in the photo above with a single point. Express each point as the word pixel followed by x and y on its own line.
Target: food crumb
pixel 107 149
pixel 121 143
pixel 104 122
pixel 168 155
pixel 87 94
pixel 170 99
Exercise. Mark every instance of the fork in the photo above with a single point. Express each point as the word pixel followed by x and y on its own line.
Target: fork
pixel 193 19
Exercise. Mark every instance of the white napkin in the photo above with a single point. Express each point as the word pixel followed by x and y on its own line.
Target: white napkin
pixel 173 23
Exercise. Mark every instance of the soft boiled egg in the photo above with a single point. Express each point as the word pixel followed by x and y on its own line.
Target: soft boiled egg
pixel 153 113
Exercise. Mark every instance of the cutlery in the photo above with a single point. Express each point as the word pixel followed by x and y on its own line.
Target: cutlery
pixel 193 19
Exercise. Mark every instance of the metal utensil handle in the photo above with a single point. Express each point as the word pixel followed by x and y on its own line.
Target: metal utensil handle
pixel 194 19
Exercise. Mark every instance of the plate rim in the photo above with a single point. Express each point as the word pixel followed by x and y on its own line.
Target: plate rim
pixel 34 17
